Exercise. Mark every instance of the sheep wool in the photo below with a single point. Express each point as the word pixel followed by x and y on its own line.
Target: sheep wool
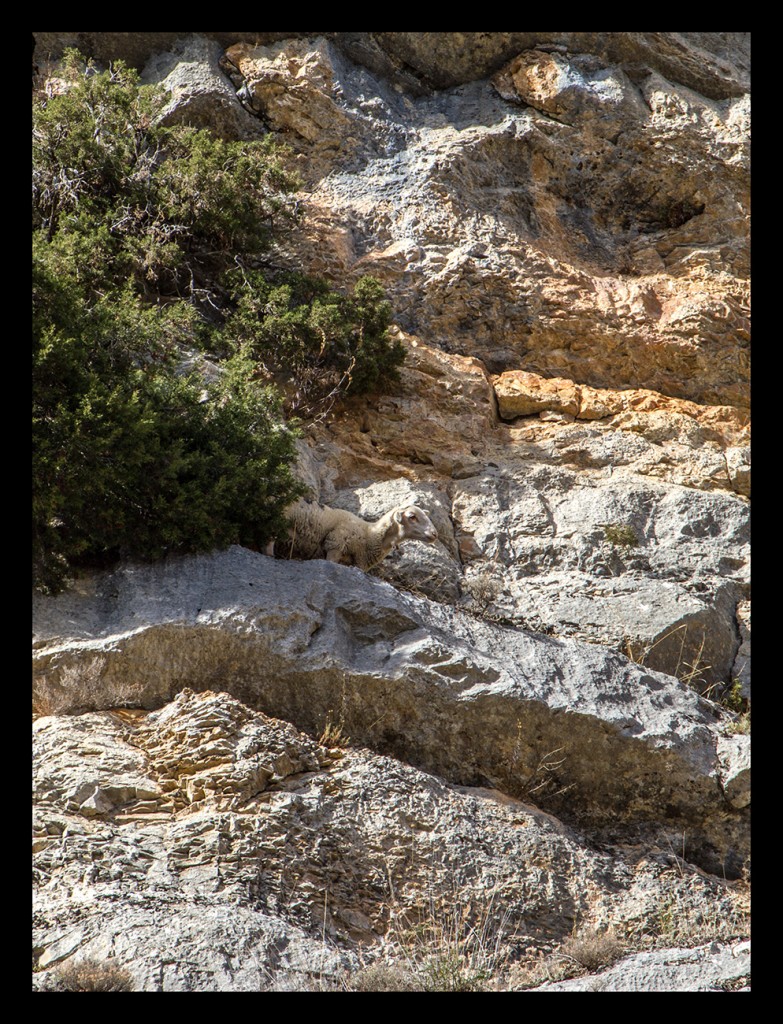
pixel 319 531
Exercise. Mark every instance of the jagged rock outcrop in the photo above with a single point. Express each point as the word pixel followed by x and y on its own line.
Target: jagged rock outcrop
pixel 561 222
pixel 477 704
pixel 587 529
pixel 212 848
pixel 716 63
pixel 468 205
pixel 611 248
pixel 200 93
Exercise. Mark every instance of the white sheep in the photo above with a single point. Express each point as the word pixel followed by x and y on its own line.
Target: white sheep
pixel 319 531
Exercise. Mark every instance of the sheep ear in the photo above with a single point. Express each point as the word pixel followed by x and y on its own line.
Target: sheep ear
pixel 397 517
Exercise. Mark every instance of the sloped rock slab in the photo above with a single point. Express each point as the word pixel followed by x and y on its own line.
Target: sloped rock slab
pixel 713 968
pixel 585 733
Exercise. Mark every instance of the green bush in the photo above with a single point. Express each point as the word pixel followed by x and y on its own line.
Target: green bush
pixel 131 459
pixel 124 197
pixel 317 343
pixel 147 242
pixel 185 218
pixel 620 534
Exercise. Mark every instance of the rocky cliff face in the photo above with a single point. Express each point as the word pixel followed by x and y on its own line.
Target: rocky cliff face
pixel 532 706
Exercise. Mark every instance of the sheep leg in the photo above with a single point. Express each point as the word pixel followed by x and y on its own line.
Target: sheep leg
pixel 270 549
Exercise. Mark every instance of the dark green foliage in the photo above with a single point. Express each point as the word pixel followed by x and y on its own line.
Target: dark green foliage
pixel 316 342
pixel 131 459
pixel 123 198
pixel 148 241
pixel 733 699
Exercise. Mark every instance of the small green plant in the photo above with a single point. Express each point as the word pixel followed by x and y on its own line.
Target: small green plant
pixel 666 920
pixel 733 699
pixel 620 534
pixel 450 972
pixel 740 726
pixel 93 976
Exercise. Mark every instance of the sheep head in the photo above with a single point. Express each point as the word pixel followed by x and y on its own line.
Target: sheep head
pixel 415 524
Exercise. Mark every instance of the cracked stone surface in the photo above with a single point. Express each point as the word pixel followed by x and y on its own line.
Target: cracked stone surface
pixel 531 705
pixel 242 853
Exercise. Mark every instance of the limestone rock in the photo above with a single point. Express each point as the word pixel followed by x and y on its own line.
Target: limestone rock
pixel 523 394
pixel 566 248
pixel 136 48
pixel 615 262
pixel 198 91
pixel 458 696
pixel 716 63
pixel 603 555
pixel 291 85
pixel 634 565
pixel 713 968
pixel 736 778
pixel 87 774
pixel 546 246
pixel 267 861
pixel 741 667
pixel 569 88
pixel 520 393
pixel 738 462
pixel 298 88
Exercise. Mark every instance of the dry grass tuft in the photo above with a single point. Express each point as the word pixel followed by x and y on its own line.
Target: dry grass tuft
pixel 93 976
pixel 81 686
pixel 691 672
pixel 333 735
pixel 383 977
pixel 453 946
pixel 592 950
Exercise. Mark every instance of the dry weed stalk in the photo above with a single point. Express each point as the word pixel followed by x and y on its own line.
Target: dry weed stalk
pixel 688 672
pixel 80 686
pixel 449 945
